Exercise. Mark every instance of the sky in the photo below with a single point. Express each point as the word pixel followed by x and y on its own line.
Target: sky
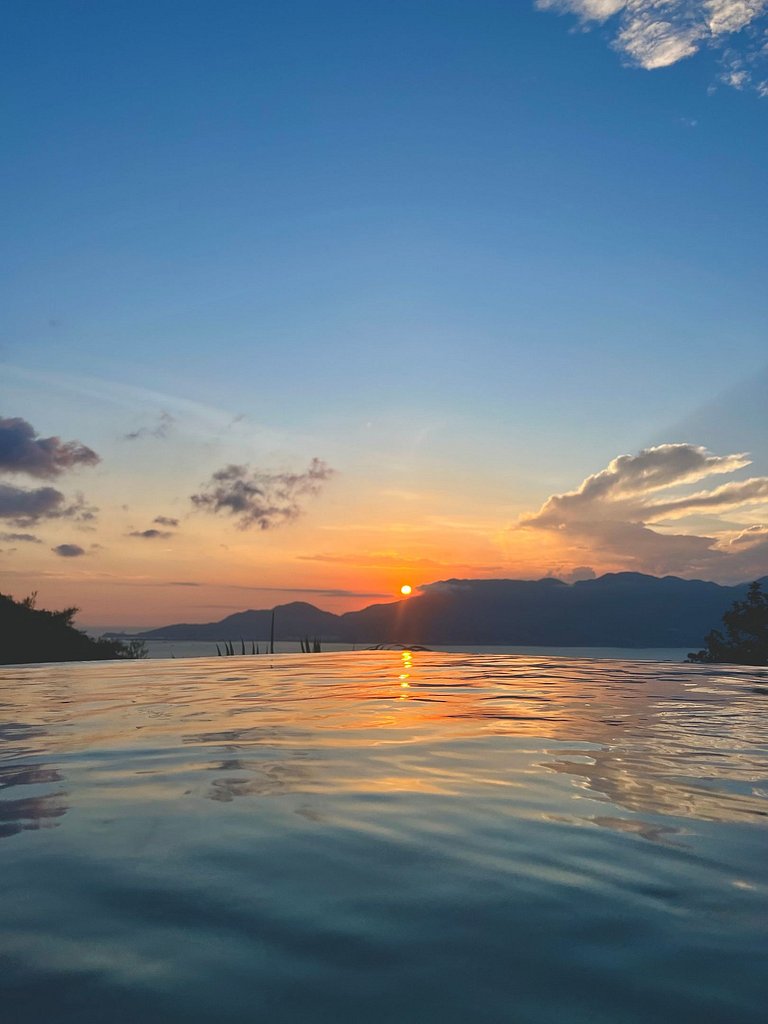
pixel 307 300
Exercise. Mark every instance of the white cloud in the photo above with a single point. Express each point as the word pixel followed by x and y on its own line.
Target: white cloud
pixel 623 514
pixel 589 10
pixel 731 15
pixel 653 42
pixel 657 33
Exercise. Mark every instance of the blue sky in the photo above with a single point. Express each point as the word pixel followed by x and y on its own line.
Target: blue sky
pixel 464 248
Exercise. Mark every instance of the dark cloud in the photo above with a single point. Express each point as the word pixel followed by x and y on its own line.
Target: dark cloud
pixel 160 430
pixel 165 521
pixel 258 498
pixel 28 538
pixel 68 550
pixel 24 508
pixel 151 534
pixel 22 451
pixel 29 506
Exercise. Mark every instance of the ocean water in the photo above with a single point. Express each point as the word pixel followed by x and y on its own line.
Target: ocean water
pixel 207 649
pixel 382 837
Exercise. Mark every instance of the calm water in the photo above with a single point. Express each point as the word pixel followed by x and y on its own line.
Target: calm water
pixel 380 837
pixel 206 649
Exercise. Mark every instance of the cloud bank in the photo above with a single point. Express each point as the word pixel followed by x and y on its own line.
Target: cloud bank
pixel 657 33
pixel 259 498
pixel 627 512
pixel 23 451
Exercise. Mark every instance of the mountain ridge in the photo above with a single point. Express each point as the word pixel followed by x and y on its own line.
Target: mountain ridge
pixel 623 609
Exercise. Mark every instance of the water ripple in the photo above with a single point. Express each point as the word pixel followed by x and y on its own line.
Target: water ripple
pixel 385 835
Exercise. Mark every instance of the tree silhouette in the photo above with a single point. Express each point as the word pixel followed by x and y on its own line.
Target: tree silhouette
pixel 746 633
pixel 31 634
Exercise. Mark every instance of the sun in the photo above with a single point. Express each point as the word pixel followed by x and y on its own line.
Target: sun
pixel 406 589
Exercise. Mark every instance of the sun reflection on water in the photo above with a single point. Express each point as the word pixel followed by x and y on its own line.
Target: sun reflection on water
pixel 652 739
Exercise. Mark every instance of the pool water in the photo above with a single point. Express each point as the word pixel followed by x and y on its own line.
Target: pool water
pixel 381 837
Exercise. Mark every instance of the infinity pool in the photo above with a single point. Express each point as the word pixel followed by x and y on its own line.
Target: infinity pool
pixel 383 837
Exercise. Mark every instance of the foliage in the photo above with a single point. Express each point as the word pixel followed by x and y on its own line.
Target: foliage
pixel 30 634
pixel 311 646
pixel 745 641
pixel 230 652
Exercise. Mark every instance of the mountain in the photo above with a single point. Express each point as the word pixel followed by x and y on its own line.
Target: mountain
pixel 623 609
pixel 292 622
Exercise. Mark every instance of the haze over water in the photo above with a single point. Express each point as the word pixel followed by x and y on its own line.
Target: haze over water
pixel 384 836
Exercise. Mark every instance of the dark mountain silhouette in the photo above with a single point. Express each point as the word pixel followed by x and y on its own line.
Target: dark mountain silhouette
pixel 616 610
pixel 292 622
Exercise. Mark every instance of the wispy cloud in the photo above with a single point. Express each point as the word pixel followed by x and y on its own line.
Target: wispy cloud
pixel 260 498
pixel 317 591
pixel 151 534
pixel 159 430
pixel 165 521
pixel 657 33
pixel 22 450
pixel 26 538
pixel 624 512
pixel 373 560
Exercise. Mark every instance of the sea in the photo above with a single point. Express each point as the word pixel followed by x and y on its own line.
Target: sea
pixel 384 836
pixel 207 649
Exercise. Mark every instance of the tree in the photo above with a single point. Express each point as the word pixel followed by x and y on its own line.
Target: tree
pixel 31 634
pixel 746 633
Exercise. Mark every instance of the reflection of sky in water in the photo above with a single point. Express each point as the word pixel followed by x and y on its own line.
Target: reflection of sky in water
pixel 285 828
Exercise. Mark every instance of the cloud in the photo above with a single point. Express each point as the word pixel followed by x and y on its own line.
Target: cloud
pixel 160 430
pixel 154 534
pixel 23 451
pixel 581 572
pixel 26 507
pixel 323 591
pixel 750 537
pixel 374 560
pixel 68 550
pixel 259 498
pixel 612 512
pixel 27 538
pixel 622 489
pixel 657 33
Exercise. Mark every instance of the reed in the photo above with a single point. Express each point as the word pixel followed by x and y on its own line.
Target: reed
pixel 230 652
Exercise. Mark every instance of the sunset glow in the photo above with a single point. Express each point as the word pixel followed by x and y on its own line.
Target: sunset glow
pixel 272 340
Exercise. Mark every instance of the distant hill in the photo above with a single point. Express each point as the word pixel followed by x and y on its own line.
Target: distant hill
pixel 616 610
pixel 292 622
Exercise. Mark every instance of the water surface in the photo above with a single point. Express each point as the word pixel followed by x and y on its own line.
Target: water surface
pixel 207 649
pixel 384 837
